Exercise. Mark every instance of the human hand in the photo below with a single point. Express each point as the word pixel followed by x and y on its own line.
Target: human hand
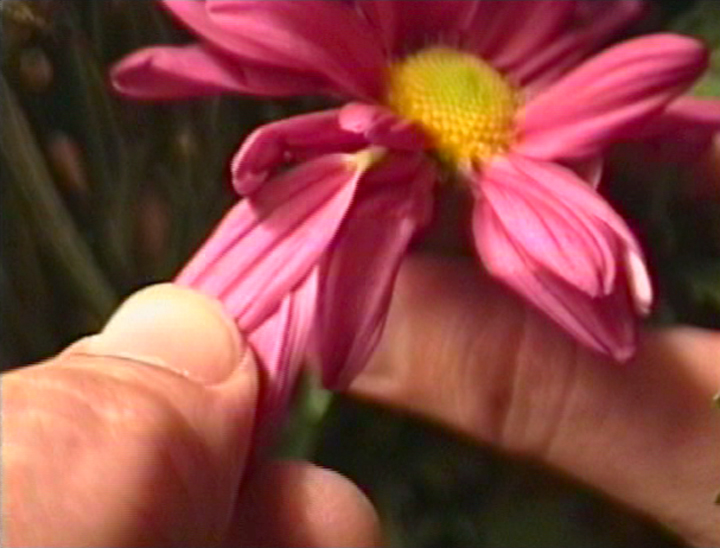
pixel 140 436
pixel 462 351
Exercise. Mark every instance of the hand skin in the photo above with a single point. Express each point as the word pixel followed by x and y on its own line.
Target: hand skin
pixel 107 445
pixel 464 352
pixel 140 436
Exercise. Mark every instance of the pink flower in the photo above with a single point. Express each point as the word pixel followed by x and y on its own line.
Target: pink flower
pixel 496 91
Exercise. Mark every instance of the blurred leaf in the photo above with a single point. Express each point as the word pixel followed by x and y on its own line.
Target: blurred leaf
pixel 44 211
pixel 704 282
pixel 703 21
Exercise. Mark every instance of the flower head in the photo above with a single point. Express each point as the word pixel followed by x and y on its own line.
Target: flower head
pixel 498 92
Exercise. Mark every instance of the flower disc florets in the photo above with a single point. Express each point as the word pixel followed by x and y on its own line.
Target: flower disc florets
pixel 466 106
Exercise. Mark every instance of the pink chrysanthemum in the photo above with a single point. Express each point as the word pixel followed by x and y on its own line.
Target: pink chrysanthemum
pixel 497 92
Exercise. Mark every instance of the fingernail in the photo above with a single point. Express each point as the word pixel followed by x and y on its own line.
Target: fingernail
pixel 175 328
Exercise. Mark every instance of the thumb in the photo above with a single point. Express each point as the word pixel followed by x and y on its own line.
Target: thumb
pixel 182 345
pixel 148 423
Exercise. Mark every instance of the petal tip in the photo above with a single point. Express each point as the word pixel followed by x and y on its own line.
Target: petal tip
pixel 640 284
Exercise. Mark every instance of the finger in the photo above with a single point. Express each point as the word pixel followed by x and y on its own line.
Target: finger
pixel 297 504
pixel 448 347
pixel 166 328
pixel 460 350
pixel 171 366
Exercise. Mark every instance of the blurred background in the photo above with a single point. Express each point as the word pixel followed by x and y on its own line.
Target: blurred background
pixel 101 196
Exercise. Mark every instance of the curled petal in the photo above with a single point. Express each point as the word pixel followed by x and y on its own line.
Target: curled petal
pixel 613 95
pixel 313 36
pixel 380 126
pixel 299 138
pixel 197 70
pixel 280 343
pixel 563 226
pixel 270 242
pixel 606 324
pixel 359 272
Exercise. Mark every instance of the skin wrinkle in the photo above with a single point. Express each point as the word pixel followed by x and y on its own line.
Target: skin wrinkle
pixel 539 396
pixel 502 400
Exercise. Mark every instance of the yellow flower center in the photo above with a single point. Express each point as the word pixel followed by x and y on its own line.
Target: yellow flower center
pixel 465 106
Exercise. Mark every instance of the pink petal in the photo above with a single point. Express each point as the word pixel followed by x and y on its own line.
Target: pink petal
pixel 596 23
pixel 280 343
pixel 605 324
pixel 518 29
pixel 590 170
pixel 381 15
pixel 563 225
pixel 313 36
pixel 359 273
pixel 268 243
pixel 382 127
pixel 559 235
pixel 611 16
pixel 197 70
pixel 612 95
pixel 686 114
pixel 490 24
pixel 685 131
pixel 193 14
pixel 419 24
pixel 275 145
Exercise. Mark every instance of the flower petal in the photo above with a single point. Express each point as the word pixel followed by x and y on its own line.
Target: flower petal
pixel 280 344
pixel 197 70
pixel 413 25
pixel 275 145
pixel 380 126
pixel 193 14
pixel 559 235
pixel 590 170
pixel 518 29
pixel 359 273
pixel 595 24
pixel 381 15
pixel 268 243
pixel 685 131
pixel 563 225
pixel 605 324
pixel 313 36
pixel 686 114
pixel 613 94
